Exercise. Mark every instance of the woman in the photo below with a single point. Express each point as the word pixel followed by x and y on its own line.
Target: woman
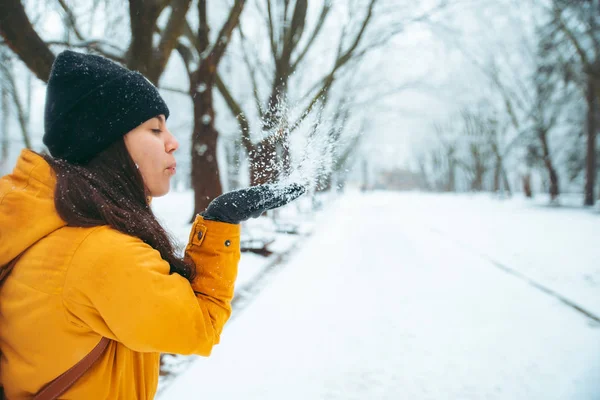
pixel 89 258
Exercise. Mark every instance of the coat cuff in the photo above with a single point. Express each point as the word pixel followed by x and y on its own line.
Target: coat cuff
pixel 215 235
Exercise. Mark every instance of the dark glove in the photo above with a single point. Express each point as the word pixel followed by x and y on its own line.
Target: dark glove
pixel 239 205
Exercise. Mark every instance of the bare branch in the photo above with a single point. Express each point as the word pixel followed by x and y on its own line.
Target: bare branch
pixel 11 87
pixel 159 4
pixel 294 32
pixel 342 59
pixel 593 34
pixel 94 45
pixel 322 17
pixel 71 19
pixel 384 38
pixel 237 112
pixel 274 50
pixel 23 40
pixel 286 5
pixel 189 33
pixel 186 55
pixel 563 26
pixel 173 30
pixel 252 73
pixel 249 50
pixel 175 90
pixel 506 97
pixel 414 84
pixel 224 36
pixel 348 54
pixel 203 28
pixel 318 96
pixel 143 15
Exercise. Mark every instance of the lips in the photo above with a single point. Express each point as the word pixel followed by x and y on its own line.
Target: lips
pixel 172 168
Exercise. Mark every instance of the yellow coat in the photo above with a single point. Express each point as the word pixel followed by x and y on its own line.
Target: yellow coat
pixel 74 285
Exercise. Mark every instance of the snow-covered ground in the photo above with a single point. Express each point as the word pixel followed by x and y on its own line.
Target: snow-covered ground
pixel 406 296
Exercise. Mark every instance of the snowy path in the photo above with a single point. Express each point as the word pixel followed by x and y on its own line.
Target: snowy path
pixel 376 306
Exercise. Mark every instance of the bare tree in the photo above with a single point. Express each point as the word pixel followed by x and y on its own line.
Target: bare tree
pixel 475 159
pixel 424 176
pixel 202 60
pixel 23 40
pixel 286 27
pixel 148 52
pixel 492 144
pixel 573 36
pixel 533 105
pixel 9 88
pixel 444 158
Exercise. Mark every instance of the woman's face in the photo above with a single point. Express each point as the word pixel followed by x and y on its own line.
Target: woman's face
pixel 151 147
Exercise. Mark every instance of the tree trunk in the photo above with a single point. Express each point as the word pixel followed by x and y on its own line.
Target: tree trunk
pixel 477 183
pixel 233 155
pixel 140 55
pixel 553 176
pixel 590 162
pixel 263 163
pixel 451 184
pixel 284 155
pixel 506 183
pixel 206 181
pixel 325 184
pixel 497 175
pixel 365 175
pixel 527 185
pixel 553 188
pixel 266 155
pixel 23 40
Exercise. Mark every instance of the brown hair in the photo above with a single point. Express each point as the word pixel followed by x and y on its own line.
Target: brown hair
pixel 109 190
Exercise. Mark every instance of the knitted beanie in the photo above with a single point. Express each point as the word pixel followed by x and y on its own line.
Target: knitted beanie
pixel 91 102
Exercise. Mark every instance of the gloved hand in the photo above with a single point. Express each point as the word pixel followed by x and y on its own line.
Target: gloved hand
pixel 239 205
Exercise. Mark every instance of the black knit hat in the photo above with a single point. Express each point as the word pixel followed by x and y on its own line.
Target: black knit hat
pixel 91 102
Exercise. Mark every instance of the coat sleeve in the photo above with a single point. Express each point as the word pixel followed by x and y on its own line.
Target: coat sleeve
pixel 121 288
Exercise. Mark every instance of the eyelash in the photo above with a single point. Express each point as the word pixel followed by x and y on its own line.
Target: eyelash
pixel 156 130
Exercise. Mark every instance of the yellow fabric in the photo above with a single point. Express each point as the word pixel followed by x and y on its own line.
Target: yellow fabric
pixel 74 285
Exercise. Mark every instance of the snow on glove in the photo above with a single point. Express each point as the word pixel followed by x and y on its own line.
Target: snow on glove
pixel 240 205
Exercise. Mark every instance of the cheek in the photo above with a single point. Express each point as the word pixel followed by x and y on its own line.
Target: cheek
pixel 148 160
pixel 156 178
pixel 147 167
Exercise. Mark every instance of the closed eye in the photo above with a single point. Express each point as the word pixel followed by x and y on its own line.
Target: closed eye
pixel 156 130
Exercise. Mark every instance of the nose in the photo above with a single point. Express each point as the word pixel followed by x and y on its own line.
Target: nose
pixel 171 143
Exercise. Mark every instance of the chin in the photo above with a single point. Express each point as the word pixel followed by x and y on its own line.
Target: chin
pixel 160 192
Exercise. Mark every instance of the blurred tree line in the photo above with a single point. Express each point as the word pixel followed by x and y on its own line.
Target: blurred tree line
pixel 292 79
pixel 538 114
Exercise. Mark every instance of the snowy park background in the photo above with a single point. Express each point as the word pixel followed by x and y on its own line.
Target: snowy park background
pixel 415 296
pixel 447 247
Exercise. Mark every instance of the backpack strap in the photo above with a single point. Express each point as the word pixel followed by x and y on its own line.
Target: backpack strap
pixel 60 385
pixel 4 271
